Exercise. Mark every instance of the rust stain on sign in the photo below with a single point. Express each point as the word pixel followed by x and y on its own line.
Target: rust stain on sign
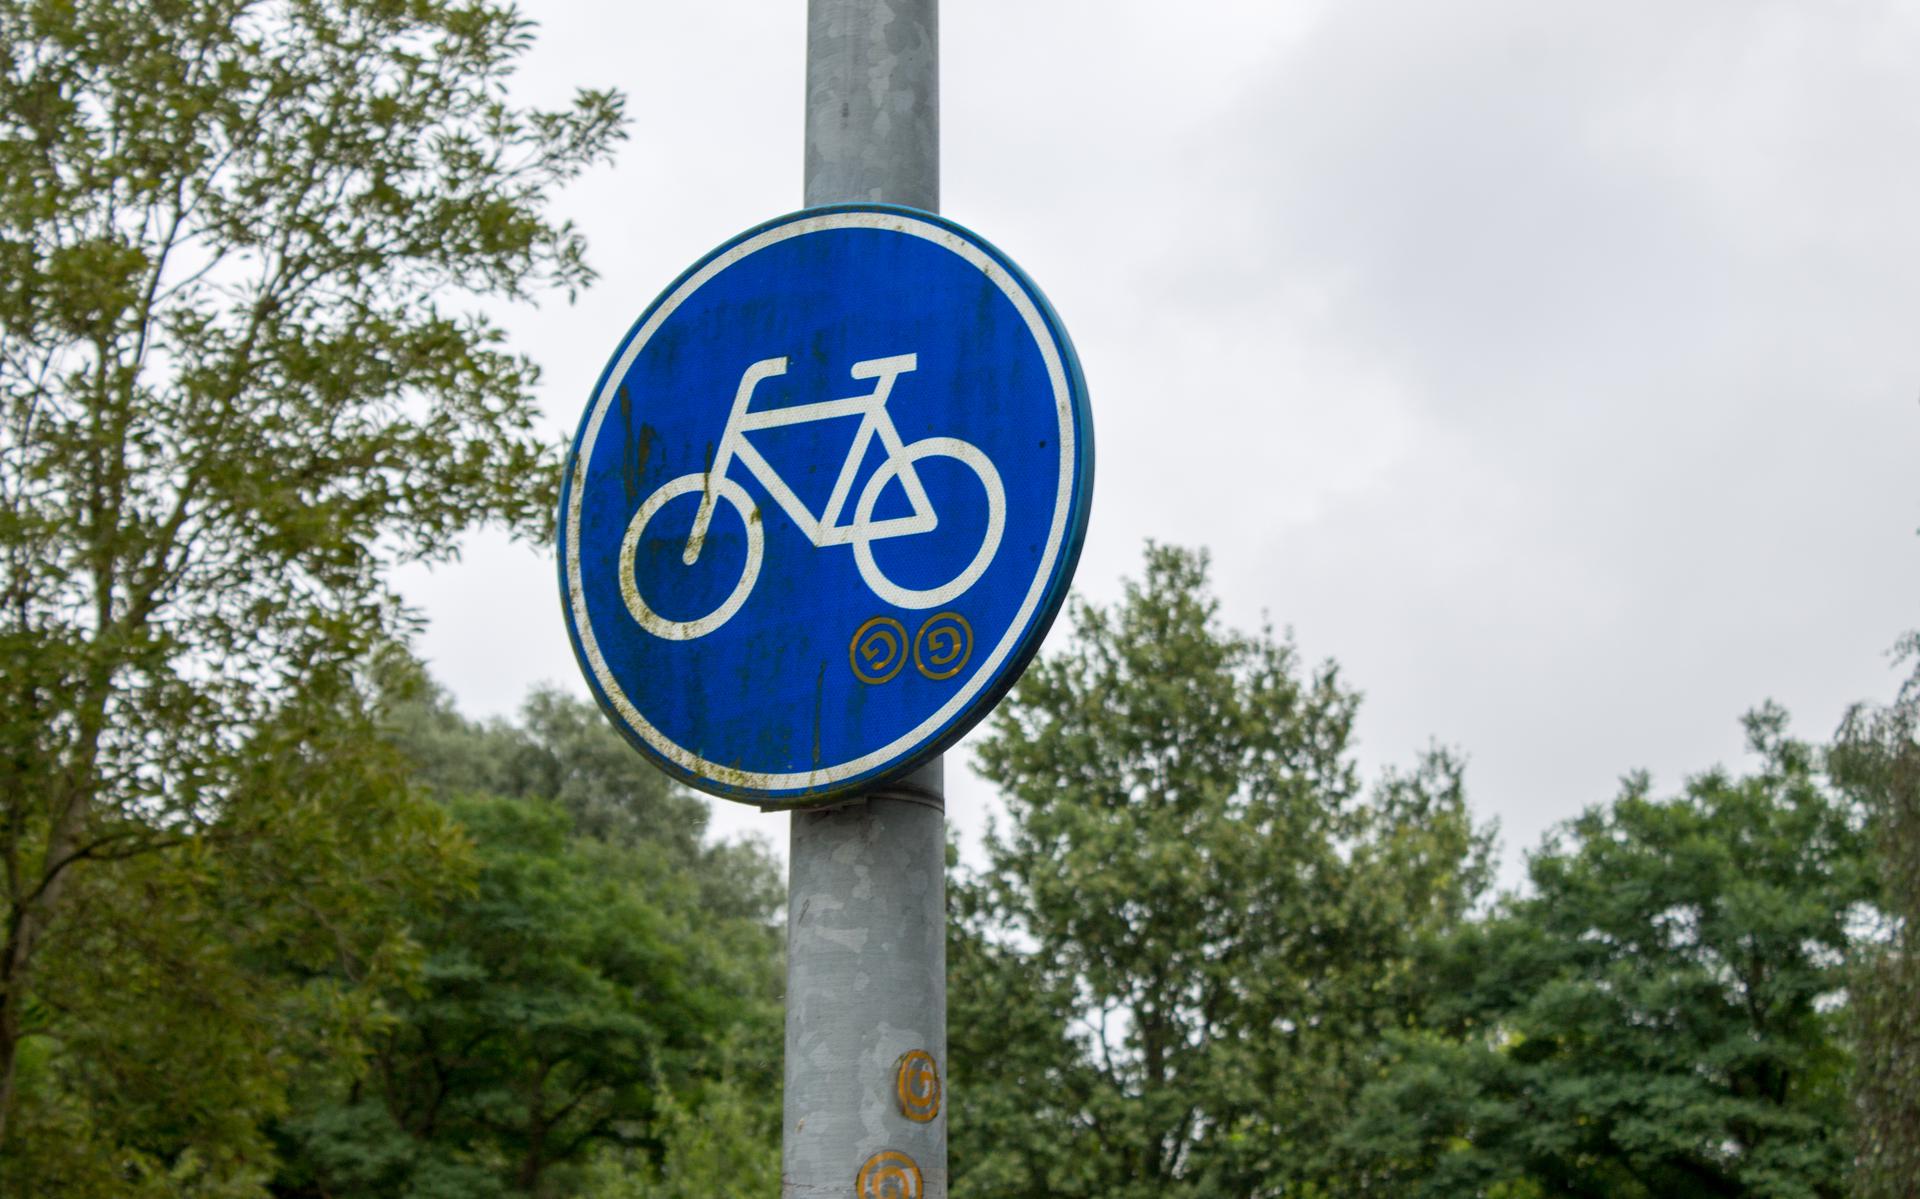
pixel 638 446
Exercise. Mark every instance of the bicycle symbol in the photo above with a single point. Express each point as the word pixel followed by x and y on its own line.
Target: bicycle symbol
pixel 825 529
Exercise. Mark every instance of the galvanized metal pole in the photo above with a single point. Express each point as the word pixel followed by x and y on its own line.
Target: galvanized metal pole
pixel 873 102
pixel 865 1109
pixel 866 1058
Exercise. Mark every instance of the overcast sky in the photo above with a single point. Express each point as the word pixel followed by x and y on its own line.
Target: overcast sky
pixel 1553 367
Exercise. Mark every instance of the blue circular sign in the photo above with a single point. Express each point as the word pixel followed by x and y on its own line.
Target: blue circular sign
pixel 824 503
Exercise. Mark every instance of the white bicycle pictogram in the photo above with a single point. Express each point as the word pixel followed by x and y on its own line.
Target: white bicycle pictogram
pixel 825 529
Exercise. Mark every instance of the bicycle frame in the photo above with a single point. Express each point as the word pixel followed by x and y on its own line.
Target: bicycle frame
pixel 825 529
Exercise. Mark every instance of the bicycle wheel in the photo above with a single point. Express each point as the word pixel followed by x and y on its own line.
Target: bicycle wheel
pixel 931 447
pixel 687 630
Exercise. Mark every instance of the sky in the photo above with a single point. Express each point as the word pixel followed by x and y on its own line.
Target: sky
pixel 1555 369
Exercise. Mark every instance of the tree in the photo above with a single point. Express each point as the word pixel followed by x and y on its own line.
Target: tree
pixel 564 751
pixel 725 1142
pixel 1170 976
pixel 563 1007
pixel 1657 1019
pixel 180 989
pixel 585 1015
pixel 1877 759
pixel 235 386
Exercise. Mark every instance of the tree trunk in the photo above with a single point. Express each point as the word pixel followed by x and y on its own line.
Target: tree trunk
pixel 31 914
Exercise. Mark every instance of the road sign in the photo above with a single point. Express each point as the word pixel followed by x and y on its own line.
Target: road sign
pixel 824 503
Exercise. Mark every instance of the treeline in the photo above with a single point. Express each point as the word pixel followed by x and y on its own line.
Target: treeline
pixel 517 970
pixel 1201 957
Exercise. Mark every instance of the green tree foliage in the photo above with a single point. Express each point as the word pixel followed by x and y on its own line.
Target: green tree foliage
pixel 1877 759
pixel 724 1142
pixel 1172 974
pixel 178 987
pixel 586 1017
pixel 234 386
pixel 1657 1018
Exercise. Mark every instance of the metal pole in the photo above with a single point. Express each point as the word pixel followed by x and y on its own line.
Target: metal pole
pixel 865 1108
pixel 873 102
pixel 866 1057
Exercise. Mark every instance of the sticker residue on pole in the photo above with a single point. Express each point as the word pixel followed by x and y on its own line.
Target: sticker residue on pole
pixel 918 1085
pixel 888 1175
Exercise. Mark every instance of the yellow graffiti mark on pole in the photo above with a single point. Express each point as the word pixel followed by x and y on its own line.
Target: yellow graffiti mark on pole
pixel 918 1085
pixel 888 1175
